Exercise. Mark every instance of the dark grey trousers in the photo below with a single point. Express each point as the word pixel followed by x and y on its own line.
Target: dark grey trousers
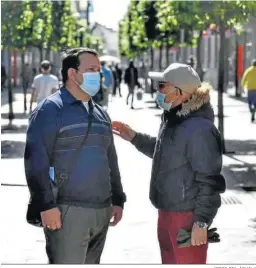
pixel 82 236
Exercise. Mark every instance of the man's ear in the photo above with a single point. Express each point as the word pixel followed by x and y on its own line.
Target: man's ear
pixel 71 73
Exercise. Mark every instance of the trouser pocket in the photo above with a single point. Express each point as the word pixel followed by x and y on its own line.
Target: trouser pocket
pixel 64 211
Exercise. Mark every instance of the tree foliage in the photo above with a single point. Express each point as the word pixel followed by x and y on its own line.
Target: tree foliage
pixel 156 23
pixel 44 24
pixel 11 11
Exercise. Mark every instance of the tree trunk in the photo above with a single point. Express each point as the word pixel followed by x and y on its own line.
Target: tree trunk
pixel 167 55
pixel 23 80
pixel 41 50
pixel 48 51
pixel 221 80
pixel 152 67
pixel 33 58
pixel 198 56
pixel 10 96
pixel 160 57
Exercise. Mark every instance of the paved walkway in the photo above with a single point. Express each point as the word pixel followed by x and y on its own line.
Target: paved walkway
pixel 134 240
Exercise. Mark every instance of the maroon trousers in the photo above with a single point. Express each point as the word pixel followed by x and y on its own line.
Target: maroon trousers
pixel 169 224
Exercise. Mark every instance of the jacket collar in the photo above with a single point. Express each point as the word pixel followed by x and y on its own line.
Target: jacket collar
pixel 69 98
pixel 197 100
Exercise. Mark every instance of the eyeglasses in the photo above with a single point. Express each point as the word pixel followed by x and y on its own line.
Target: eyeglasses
pixel 162 84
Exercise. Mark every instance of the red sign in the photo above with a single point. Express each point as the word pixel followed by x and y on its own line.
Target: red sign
pixel 240 61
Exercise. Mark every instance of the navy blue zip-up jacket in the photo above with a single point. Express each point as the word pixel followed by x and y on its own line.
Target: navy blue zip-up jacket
pixel 56 128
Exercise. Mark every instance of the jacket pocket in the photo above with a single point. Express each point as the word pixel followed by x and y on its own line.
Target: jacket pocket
pixel 171 186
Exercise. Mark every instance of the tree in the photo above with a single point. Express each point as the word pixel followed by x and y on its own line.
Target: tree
pixel 227 14
pixel 199 15
pixel 11 12
pixel 42 28
pixel 168 26
pixel 69 26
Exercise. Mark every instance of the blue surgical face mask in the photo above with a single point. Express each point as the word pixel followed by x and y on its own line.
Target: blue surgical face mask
pixel 160 97
pixel 91 83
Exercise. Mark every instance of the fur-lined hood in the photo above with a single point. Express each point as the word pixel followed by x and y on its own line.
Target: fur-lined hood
pixel 201 98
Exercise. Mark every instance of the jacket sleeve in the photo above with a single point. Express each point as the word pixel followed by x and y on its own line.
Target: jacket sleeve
pixel 41 135
pixel 205 157
pixel 145 144
pixel 118 195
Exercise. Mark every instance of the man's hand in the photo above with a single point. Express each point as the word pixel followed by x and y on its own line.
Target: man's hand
pixel 51 219
pixel 123 130
pixel 198 236
pixel 117 213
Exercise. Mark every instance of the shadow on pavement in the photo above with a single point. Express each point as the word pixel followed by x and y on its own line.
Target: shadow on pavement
pixel 12 149
pixel 4 95
pixel 137 109
pixel 243 172
pixel 17 115
pixel 245 177
pixel 153 108
pixel 242 99
pixel 247 147
pixel 253 226
pixel 6 129
pixel 151 101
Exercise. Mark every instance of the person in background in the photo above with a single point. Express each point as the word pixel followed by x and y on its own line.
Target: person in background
pixel 108 83
pixel 186 182
pixel 249 82
pixel 98 98
pixel 34 72
pixel 131 79
pixel 114 75
pixel 44 84
pixel 192 62
pixel 119 78
pixel 91 197
pixel 26 75
pixel 3 77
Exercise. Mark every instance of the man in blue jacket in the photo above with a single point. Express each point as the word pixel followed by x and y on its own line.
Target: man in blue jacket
pixel 108 83
pixel 76 223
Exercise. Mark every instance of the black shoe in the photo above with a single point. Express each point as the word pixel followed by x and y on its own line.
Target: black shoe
pixel 132 107
pixel 253 118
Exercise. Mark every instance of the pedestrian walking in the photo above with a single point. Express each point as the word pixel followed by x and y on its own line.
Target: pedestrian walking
pixel 44 84
pixel 3 77
pixel 70 142
pixel 26 76
pixel 192 62
pixel 119 78
pixel 249 82
pixel 187 160
pixel 98 98
pixel 108 83
pixel 114 75
pixel 131 79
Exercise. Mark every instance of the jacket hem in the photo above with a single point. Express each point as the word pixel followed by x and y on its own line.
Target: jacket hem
pixel 84 204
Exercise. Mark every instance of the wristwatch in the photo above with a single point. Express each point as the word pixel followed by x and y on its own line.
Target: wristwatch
pixel 200 224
